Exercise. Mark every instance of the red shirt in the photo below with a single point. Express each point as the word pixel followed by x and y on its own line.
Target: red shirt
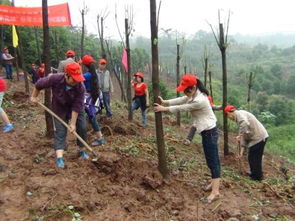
pixel 2 85
pixel 41 72
pixel 139 91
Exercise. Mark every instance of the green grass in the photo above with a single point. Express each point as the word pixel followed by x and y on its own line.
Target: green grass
pixel 282 141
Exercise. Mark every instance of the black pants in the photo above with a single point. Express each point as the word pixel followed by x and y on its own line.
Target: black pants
pixel 255 160
pixel 191 133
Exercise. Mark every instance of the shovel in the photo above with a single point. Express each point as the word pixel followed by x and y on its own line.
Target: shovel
pixel 240 162
pixel 75 133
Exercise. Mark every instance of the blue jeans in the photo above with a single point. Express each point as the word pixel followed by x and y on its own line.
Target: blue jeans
pixel 60 132
pixel 107 103
pixel 8 70
pixel 94 123
pixel 138 102
pixel 210 146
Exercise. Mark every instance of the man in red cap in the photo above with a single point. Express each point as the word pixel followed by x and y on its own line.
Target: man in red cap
pixel 106 85
pixel 70 58
pixel 68 103
pixel 252 135
pixel 203 118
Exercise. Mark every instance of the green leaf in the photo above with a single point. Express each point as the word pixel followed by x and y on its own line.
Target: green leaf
pixel 77 214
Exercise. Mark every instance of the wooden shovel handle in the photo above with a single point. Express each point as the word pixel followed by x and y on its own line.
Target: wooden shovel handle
pixel 68 127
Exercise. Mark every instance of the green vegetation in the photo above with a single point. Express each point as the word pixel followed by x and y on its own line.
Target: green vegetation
pixel 282 141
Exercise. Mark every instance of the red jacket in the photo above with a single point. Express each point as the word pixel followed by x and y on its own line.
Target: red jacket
pixel 2 85
pixel 41 72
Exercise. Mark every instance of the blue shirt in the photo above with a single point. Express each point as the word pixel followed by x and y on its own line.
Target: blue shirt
pixel 87 82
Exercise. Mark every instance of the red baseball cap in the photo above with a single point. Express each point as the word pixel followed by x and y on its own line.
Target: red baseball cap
pixel 187 80
pixel 102 61
pixel 229 108
pixel 70 53
pixel 87 60
pixel 74 70
pixel 139 74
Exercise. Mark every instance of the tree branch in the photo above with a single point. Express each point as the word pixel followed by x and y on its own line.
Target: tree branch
pixel 118 28
pixel 227 27
pixel 158 14
pixel 218 43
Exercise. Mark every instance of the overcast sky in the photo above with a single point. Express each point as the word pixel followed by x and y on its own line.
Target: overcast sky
pixel 186 16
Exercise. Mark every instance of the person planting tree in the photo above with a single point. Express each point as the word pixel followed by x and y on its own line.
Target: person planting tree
pixel 68 103
pixel 196 101
pixel 252 135
pixel 93 98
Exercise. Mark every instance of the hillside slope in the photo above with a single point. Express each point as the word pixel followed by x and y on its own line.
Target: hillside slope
pixel 125 184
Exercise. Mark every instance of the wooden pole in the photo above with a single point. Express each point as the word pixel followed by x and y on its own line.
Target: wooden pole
pixel 177 82
pixel 224 86
pixel 46 56
pixel 129 99
pixel 156 90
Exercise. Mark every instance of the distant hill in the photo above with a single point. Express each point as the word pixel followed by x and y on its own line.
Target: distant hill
pixel 281 40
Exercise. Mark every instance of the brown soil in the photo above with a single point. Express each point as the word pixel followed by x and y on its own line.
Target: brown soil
pixel 124 184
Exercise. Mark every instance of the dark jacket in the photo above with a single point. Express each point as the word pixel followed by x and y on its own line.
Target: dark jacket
pixel 64 100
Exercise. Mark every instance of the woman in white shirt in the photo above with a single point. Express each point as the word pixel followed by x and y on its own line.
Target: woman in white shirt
pixel 203 117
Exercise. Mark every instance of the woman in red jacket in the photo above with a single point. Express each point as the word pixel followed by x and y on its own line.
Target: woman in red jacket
pixel 141 95
pixel 8 126
pixel 41 71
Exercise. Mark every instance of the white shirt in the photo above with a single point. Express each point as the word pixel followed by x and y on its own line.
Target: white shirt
pixel 202 114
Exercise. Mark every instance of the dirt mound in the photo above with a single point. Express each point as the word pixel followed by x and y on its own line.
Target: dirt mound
pixel 119 126
pixel 19 96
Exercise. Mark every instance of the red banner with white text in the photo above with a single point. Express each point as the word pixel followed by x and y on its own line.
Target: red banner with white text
pixel 58 15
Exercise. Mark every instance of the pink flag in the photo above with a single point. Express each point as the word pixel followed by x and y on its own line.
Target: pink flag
pixel 125 60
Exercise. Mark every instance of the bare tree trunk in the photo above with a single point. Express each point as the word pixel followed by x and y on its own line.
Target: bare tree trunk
pixel 184 70
pixel 205 71
pixel 115 71
pixel 1 37
pixel 250 79
pixel 56 46
pixel 224 84
pixel 21 62
pixel 1 33
pixel 210 84
pixel 156 90
pixel 129 99
pixel 101 38
pixel 177 83
pixel 16 55
pixel 37 44
pixel 46 56
pixel 16 64
pixel 83 32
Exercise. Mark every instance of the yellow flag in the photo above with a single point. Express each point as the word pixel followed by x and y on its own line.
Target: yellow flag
pixel 14 37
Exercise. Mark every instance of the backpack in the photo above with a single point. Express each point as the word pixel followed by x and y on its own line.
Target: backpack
pixel 93 109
